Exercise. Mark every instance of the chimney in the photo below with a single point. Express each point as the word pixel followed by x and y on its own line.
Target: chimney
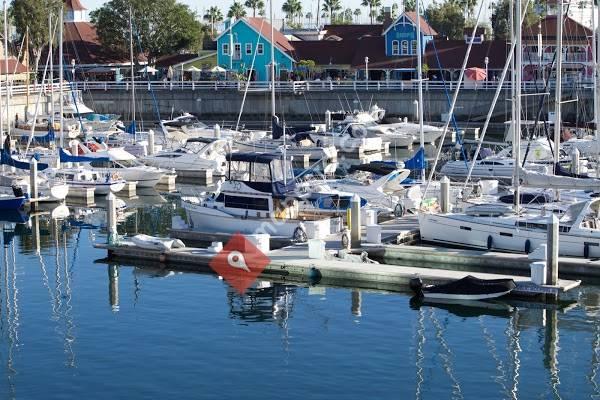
pixel 387 17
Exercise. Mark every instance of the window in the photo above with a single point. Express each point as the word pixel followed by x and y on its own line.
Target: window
pixel 247 203
pixel 260 50
pixel 404 50
pixel 248 49
pixel 237 51
pixel 225 49
pixel 395 48
pixel 414 47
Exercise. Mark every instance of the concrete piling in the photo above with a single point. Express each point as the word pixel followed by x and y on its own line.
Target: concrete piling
pixel 33 182
pixel 111 218
pixel 575 161
pixel 355 232
pixel 217 130
pixel 445 194
pixel 552 252
pixel 150 142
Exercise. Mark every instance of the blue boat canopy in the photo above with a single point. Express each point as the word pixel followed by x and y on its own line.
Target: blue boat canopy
pixel 66 157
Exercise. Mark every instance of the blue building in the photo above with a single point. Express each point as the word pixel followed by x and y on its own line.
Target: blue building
pixel 245 45
pixel 401 35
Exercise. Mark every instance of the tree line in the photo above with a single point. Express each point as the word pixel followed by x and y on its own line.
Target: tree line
pixel 167 26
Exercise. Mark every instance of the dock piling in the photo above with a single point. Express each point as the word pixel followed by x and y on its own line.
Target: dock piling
pixel 552 255
pixel 111 218
pixel 575 161
pixel 74 150
pixel 150 142
pixel 33 183
pixel 445 194
pixel 217 130
pixel 355 233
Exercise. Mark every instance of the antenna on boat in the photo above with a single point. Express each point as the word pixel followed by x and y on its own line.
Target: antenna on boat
pixel 420 85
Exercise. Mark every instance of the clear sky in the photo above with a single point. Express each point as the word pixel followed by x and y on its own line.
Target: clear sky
pixel 200 5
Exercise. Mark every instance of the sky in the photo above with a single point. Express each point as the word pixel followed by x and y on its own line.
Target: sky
pixel 201 5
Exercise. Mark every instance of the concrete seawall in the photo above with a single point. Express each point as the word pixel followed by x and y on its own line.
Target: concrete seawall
pixel 472 105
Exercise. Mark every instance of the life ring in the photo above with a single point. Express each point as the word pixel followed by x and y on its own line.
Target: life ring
pixel 300 235
pixel 490 242
pixel 115 176
pixel 527 246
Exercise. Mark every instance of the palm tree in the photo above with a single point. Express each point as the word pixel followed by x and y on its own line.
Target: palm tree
pixel 292 9
pixel 236 10
pixel 330 7
pixel 373 5
pixel 309 17
pixel 357 13
pixel 255 5
pixel 348 16
pixel 213 15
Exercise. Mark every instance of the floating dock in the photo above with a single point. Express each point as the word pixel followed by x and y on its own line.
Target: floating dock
pixel 292 263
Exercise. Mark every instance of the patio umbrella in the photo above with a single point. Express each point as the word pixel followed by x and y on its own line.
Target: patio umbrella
pixel 193 69
pixel 475 74
pixel 217 69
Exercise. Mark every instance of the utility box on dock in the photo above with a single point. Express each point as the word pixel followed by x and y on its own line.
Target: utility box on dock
pixel 316 249
pixel 261 241
pixel 538 272
pixel 374 234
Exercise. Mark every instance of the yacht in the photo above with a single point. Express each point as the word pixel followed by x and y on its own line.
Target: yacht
pixel 348 138
pixel 258 196
pixel 102 182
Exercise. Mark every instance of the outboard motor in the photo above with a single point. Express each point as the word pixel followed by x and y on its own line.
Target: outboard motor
pixel 416 285
pixel 18 191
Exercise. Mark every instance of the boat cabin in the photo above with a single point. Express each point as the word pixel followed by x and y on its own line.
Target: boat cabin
pixel 262 172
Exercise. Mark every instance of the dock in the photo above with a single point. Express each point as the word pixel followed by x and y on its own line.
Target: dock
pixel 292 264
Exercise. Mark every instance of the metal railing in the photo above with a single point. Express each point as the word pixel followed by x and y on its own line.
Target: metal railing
pixel 295 87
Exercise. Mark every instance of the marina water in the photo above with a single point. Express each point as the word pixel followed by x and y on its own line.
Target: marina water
pixel 73 326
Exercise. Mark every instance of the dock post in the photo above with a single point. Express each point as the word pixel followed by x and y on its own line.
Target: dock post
pixel 113 287
pixel 74 151
pixel 327 120
pixel 575 161
pixel 552 252
pixel 355 221
pixel 217 130
pixel 33 183
pixel 445 194
pixel 150 142
pixel 111 218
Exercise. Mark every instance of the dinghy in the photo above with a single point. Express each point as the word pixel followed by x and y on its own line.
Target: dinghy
pixel 154 243
pixel 467 288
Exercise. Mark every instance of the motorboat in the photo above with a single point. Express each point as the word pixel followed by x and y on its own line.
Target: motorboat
pixel 348 138
pixel 197 154
pixel 75 110
pixel 258 196
pixel 103 182
pixel 467 288
pixel 44 130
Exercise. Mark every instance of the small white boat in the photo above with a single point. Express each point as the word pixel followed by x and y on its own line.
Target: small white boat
pixel 155 243
pixel 467 288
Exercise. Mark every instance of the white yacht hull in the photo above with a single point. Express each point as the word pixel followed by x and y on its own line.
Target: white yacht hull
pixel 476 233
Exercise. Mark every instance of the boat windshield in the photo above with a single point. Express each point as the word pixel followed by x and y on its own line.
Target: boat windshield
pixel 278 169
pixel 572 213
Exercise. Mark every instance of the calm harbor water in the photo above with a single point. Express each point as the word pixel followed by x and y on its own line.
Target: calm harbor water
pixel 72 326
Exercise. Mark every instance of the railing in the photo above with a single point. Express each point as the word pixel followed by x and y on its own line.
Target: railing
pixel 295 87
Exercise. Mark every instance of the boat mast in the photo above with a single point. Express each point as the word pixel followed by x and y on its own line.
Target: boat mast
pixel 6 68
pixel 558 82
pixel 595 44
pixel 272 59
pixel 517 103
pixel 28 75
pixel 61 77
pixel 132 74
pixel 51 60
pixel 420 86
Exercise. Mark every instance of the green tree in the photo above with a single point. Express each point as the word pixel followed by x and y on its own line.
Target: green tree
pixel 330 7
pixel 255 5
pixel 446 18
pixel 348 16
pixel 501 17
pixel 236 10
pixel 309 17
pixel 410 5
pixel 395 9
pixel 161 26
pixel 357 13
pixel 373 5
pixel 32 16
pixel 213 16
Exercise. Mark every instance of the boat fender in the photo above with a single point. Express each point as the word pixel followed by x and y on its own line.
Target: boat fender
pixel 527 246
pixel 300 234
pixel 399 210
pixel 416 285
pixel 319 143
pixel 314 275
pixel 490 242
pixel 346 239
pixel 586 250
